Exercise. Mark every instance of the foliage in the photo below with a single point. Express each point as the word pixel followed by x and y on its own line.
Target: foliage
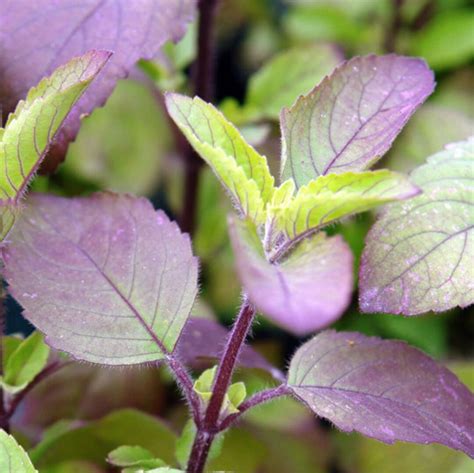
pixel 106 279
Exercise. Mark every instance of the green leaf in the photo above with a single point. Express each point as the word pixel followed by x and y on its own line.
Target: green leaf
pixel 13 458
pixel 331 197
pixel 25 362
pixel 286 76
pixel 134 458
pixel 31 128
pixel 234 397
pixel 240 168
pixel 94 441
pixel 447 41
pixel 418 256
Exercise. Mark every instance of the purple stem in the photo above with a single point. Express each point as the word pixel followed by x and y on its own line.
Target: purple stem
pixel 206 433
pixel 203 78
pixel 45 373
pixel 258 398
pixel 187 386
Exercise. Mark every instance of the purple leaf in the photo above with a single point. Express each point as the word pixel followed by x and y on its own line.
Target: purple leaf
pixel 307 291
pixel 419 255
pixel 203 341
pixel 352 117
pixel 384 389
pixel 106 278
pixel 36 37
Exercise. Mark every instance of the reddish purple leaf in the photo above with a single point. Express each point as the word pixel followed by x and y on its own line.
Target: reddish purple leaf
pixel 384 389
pixel 202 341
pixel 351 118
pixel 38 36
pixel 106 278
pixel 307 291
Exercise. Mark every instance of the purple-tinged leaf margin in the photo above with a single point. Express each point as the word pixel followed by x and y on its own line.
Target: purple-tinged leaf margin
pixel 107 278
pixel 383 389
pixel 305 292
pixel 351 118
pixel 38 36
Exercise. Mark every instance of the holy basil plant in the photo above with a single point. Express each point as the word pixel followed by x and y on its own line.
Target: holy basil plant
pixel 112 281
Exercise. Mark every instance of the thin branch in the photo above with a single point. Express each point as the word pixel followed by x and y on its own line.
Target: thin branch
pixel 209 428
pixel 4 424
pixel 186 384
pixel 203 73
pixel 258 398
pixel 394 27
pixel 52 368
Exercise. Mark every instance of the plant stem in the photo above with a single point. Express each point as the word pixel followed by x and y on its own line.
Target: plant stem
pixel 48 371
pixel 206 433
pixel 203 79
pixel 394 27
pixel 258 398
pixel 186 383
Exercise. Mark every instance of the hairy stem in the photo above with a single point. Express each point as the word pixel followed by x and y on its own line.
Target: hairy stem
pixel 203 79
pixel 206 433
pixel 258 398
pixel 186 384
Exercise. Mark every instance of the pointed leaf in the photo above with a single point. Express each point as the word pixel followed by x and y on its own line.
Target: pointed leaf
pixel 350 120
pixel 240 168
pixel 13 458
pixel 418 256
pixel 286 76
pixel 106 278
pixel 28 360
pixel 329 198
pixel 30 130
pixel 38 38
pixel 285 293
pixel 384 389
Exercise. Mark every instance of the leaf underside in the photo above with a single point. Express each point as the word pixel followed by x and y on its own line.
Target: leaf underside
pixel 352 117
pixel 285 293
pixel 383 389
pixel 418 255
pixel 106 278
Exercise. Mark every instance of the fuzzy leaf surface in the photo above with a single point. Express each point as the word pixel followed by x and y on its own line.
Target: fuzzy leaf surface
pixel 13 459
pixel 383 389
pixel 352 117
pixel 329 198
pixel 418 256
pixel 106 278
pixel 37 38
pixel 286 292
pixel 242 171
pixel 29 131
